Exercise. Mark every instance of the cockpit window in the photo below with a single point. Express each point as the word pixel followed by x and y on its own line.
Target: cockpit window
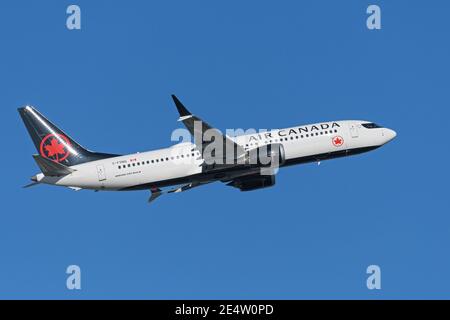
pixel 371 125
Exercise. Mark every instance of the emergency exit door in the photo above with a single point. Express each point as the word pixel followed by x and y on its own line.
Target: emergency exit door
pixel 101 173
pixel 354 131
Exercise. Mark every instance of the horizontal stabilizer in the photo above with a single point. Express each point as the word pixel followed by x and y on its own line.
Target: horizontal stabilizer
pixel 51 168
pixel 31 184
pixel 157 192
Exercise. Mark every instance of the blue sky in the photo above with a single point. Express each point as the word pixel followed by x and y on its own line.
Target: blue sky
pixel 252 64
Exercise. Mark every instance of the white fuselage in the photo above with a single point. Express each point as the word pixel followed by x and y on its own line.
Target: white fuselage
pixel 301 144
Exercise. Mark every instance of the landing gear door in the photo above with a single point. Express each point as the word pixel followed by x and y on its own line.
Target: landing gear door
pixel 353 131
pixel 101 173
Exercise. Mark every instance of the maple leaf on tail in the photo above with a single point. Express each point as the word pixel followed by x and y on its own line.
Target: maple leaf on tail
pixel 55 149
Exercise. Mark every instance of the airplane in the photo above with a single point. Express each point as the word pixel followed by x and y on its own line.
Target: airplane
pixel 246 162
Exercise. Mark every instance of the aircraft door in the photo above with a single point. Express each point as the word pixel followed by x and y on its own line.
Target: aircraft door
pixel 353 131
pixel 101 173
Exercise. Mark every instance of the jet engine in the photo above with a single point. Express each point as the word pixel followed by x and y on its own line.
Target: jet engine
pixel 253 182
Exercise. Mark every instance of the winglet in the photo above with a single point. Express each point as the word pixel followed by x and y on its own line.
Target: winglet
pixel 181 108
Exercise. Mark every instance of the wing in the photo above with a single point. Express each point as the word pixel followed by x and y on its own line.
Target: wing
pixel 197 127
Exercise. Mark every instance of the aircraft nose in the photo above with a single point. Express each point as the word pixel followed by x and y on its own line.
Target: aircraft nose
pixel 389 134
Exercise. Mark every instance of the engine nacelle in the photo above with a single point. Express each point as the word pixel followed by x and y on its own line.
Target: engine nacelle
pixel 253 182
pixel 271 155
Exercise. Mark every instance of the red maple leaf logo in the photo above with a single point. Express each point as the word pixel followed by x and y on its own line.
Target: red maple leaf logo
pixel 55 149
pixel 338 141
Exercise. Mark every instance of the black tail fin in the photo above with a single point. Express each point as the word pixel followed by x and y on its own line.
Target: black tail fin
pixel 52 143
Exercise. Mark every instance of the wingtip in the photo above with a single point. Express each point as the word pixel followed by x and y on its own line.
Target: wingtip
pixel 175 99
pixel 180 107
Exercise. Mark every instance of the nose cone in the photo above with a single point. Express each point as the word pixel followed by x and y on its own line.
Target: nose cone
pixel 389 134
